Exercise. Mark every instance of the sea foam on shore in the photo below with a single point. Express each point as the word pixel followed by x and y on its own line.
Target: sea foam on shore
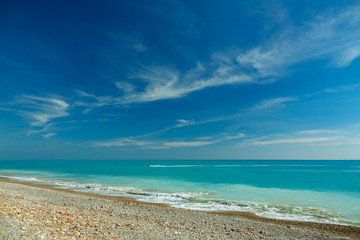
pixel 33 211
pixel 314 191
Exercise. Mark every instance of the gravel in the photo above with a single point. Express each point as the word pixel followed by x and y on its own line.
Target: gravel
pixel 29 211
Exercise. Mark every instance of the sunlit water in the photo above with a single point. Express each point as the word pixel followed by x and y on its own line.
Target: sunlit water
pixel 319 191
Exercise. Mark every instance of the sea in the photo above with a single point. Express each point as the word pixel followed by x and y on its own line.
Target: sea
pixel 307 190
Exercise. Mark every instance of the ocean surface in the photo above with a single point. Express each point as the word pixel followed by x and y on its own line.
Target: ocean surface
pixel 317 191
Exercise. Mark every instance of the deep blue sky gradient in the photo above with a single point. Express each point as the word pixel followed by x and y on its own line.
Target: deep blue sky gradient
pixel 179 79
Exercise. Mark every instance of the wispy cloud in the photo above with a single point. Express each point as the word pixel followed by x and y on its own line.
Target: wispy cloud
pixel 274 102
pixel 41 129
pixel 127 88
pixel 266 105
pixel 292 140
pixel 168 83
pixel 334 36
pixel 6 109
pixel 183 123
pixel 120 142
pixel 166 144
pixel 41 110
pixel 231 137
pixel 330 35
pixel 318 131
pixel 342 88
pixel 48 135
pixel 90 101
pixel 324 37
pixel 300 137
pixel 186 144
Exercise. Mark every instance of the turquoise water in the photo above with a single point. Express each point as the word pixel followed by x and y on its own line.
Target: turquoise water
pixel 319 191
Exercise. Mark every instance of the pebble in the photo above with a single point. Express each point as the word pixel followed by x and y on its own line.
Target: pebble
pixel 39 213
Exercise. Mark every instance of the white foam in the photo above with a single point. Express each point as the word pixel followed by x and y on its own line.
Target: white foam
pixel 22 179
pixel 199 200
pixel 237 165
pixel 296 213
pixel 176 166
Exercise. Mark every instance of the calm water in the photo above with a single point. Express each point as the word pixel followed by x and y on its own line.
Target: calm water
pixel 321 191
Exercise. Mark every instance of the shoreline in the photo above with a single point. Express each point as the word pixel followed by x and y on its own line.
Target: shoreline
pixel 331 230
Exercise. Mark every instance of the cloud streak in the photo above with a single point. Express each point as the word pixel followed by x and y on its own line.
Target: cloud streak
pixel 325 37
pixel 186 144
pixel 166 144
pixel 274 103
pixel 334 36
pixel 121 142
pixel 299 137
pixel 48 135
pixel 41 110
pixel 266 105
pixel 292 140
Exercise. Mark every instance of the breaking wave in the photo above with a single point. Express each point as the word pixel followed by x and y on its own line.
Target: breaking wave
pixel 199 200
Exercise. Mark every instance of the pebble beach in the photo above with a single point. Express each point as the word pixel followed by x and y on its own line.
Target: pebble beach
pixel 31 211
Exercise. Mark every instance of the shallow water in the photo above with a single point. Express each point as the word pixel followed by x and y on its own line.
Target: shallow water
pixel 320 191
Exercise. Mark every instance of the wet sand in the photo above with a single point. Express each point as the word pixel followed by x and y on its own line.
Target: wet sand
pixel 32 211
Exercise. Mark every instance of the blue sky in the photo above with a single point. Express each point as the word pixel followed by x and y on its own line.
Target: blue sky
pixel 180 79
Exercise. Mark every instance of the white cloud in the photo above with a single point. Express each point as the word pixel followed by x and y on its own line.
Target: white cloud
pixel 161 84
pixel 127 88
pixel 211 140
pixel 49 135
pixel 318 131
pixel 343 88
pixel 92 101
pixel 187 144
pixel 121 142
pixel 183 123
pixel 346 135
pixel 41 110
pixel 231 137
pixel 299 137
pixel 292 140
pixel 347 56
pixel 166 144
pixel 274 102
pixel 6 109
pixel 169 83
pixel 334 36
pixel 44 128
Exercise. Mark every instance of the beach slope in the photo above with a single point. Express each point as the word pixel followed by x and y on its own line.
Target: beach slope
pixel 31 211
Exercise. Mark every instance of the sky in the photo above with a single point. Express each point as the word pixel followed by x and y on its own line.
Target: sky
pixel 133 79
